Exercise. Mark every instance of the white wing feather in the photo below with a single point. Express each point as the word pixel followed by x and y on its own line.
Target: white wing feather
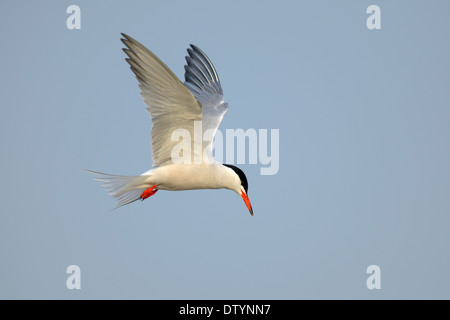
pixel 174 105
pixel 170 104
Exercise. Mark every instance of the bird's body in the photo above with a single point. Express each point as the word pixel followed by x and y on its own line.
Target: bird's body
pixel 178 110
pixel 178 177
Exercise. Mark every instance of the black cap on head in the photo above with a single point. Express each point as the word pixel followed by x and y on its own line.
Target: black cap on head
pixel 241 175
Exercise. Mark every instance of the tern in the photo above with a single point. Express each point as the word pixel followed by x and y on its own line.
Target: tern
pixel 174 105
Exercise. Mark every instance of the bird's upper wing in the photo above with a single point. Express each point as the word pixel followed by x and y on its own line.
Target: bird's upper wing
pixel 202 80
pixel 170 104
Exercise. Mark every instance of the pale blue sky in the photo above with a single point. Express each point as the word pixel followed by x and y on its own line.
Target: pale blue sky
pixel 364 152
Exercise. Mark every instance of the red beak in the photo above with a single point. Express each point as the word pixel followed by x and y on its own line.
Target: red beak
pixel 247 202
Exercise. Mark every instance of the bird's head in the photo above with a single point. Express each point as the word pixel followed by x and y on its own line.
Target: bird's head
pixel 241 187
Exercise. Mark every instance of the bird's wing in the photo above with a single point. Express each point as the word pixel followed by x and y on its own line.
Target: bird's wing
pixel 170 104
pixel 202 80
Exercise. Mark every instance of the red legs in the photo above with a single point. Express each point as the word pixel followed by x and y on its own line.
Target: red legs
pixel 149 192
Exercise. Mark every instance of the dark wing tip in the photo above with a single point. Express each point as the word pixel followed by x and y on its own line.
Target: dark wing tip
pixel 195 48
pixel 126 40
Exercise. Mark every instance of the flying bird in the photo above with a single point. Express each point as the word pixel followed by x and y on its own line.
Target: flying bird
pixel 174 105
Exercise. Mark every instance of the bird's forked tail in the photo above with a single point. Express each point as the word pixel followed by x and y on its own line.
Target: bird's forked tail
pixel 126 189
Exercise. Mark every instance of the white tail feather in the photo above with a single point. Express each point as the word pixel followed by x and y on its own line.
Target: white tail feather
pixel 126 189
